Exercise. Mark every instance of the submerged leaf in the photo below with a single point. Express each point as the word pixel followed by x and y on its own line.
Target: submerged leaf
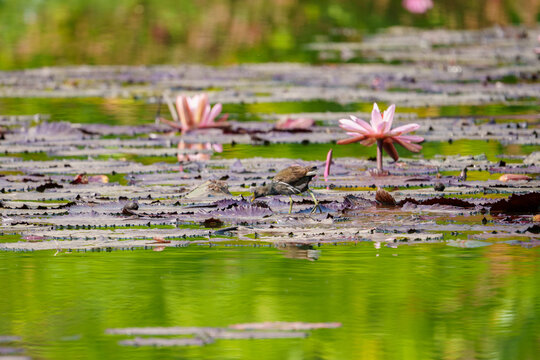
pixel 438 201
pixel 212 223
pixel 521 204
pixel 251 210
pixel 48 185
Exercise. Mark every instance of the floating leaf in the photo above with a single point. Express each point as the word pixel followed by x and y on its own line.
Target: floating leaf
pixel 210 188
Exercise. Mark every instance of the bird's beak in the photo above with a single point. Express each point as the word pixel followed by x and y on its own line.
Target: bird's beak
pixel 253 198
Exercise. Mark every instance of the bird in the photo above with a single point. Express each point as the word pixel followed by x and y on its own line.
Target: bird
pixel 293 180
pixel 438 186
pixel 463 175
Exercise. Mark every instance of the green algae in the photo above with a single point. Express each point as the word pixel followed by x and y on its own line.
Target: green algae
pixel 117 178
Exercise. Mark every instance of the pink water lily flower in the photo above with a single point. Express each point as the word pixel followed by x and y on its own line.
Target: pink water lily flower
pixel 417 6
pixel 380 131
pixel 194 112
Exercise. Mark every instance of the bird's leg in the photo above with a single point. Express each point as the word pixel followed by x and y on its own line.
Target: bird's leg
pixel 315 201
pixel 291 201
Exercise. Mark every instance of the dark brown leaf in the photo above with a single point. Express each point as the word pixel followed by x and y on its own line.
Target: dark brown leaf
pixel 384 198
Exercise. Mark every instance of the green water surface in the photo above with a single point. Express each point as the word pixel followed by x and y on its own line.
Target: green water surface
pixel 413 302
pixel 493 150
pixel 118 111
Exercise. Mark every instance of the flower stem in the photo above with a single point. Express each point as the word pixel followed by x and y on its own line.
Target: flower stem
pixel 379 155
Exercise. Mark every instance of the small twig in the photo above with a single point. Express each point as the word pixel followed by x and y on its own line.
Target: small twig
pixel 158 112
pixel 171 107
pixel 58 249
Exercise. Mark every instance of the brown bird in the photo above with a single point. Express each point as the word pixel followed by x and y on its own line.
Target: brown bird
pixel 463 175
pixel 293 180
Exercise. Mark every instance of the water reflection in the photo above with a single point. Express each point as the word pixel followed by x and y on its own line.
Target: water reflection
pixel 302 252
pixel 197 151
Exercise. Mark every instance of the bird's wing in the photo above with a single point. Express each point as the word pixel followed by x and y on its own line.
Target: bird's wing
pixel 291 174
pixel 289 186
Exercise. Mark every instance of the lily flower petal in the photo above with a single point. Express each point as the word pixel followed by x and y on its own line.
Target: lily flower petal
pixel 205 116
pixel 411 138
pixel 355 126
pixel 407 145
pixel 362 123
pixel 376 118
pixel 390 149
pixel 369 141
pixel 388 117
pixel 351 140
pixel 201 106
pixel 184 113
pixel 213 113
pixel 223 119
pixel 404 129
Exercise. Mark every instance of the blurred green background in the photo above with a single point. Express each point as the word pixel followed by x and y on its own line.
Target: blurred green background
pixel 38 33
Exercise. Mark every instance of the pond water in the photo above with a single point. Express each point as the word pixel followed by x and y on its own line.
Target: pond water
pixel 125 111
pixel 428 274
pixel 136 112
pixel 413 302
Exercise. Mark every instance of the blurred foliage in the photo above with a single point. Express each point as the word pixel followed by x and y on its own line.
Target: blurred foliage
pixel 59 32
